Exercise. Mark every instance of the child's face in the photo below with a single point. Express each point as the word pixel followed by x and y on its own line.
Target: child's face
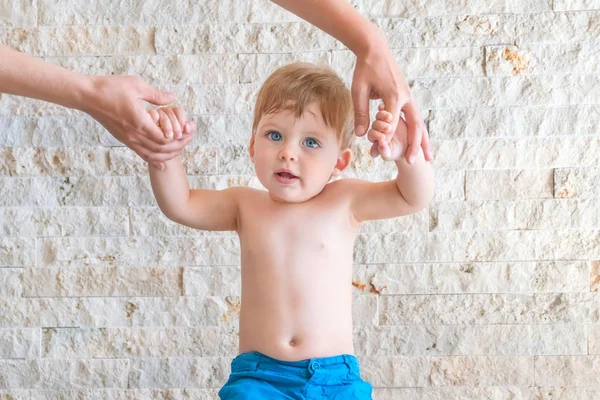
pixel 296 157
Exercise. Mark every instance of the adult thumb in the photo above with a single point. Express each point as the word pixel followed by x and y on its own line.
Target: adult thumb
pixel 157 97
pixel 360 99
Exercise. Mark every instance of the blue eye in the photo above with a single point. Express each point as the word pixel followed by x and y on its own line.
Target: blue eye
pixel 274 136
pixel 312 143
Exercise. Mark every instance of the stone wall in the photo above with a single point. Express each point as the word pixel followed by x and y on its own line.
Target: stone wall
pixel 491 293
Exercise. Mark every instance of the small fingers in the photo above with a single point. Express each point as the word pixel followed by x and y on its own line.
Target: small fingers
pixel 175 125
pixel 382 127
pixel 155 116
pixel 165 123
pixel 374 135
pixel 189 127
pixel 385 116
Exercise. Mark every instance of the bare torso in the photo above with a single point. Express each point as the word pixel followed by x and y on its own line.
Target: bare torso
pixel 296 276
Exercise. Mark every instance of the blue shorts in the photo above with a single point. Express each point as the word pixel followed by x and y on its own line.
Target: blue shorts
pixel 256 376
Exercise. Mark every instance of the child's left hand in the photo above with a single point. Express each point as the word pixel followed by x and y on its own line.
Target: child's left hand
pixel 391 146
pixel 172 121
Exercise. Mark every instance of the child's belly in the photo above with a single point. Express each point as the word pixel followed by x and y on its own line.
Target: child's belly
pixel 298 311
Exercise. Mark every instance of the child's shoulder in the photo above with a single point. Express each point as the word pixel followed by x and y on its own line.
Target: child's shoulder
pixel 344 188
pixel 346 185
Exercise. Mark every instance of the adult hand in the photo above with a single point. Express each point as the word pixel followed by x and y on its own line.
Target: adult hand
pixel 114 101
pixel 376 76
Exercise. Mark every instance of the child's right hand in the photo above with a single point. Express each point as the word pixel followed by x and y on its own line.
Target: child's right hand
pixel 173 122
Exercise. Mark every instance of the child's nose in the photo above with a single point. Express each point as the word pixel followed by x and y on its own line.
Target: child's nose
pixel 288 153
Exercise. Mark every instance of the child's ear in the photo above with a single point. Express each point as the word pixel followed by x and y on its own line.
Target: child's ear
pixel 251 147
pixel 342 162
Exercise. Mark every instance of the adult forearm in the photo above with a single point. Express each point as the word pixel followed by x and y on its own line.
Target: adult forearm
pixel 416 181
pixel 339 19
pixel 171 188
pixel 30 77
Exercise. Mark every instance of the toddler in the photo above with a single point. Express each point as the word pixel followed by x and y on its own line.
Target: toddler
pixel 297 236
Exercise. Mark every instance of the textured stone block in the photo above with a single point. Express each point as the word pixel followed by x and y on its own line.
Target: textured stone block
pixel 18 13
pixel 20 343
pixel 422 62
pixel 449 31
pixel 69 343
pixel 448 371
pixel 197 160
pixel 138 251
pixel 100 394
pixel 393 247
pixel 163 70
pixel 69 161
pixel 101 281
pixel 506 91
pixel 575 5
pixel 411 9
pixel 486 277
pixel 455 393
pixel 76 131
pixel 486 309
pixel 449 185
pixel 82 191
pixel 64 374
pixel 97 12
pixel 542 59
pixel 476 309
pixel 509 184
pixel 364 310
pixel 595 276
pixel 531 153
pixel 461 246
pixel 594 339
pixel 179 372
pixel 99 312
pixel 577 182
pixel 457 340
pixel 212 281
pixel 242 38
pixel 409 223
pixel 80 40
pixel 17 252
pixel 558 214
pixel 557 27
pixel 64 222
pixel 218 99
pixel 472 215
pixel 566 393
pixel 522 122
pixel 567 371
pixel 10 282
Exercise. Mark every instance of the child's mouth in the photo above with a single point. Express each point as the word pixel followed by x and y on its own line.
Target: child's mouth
pixel 286 177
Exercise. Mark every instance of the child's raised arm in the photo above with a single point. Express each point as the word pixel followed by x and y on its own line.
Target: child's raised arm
pixel 212 210
pixel 411 191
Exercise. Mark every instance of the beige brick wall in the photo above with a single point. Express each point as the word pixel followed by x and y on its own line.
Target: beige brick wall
pixel 491 293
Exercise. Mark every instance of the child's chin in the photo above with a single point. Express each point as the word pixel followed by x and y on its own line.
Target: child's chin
pixel 282 196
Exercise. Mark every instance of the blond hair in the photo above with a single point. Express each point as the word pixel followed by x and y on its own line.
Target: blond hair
pixel 295 86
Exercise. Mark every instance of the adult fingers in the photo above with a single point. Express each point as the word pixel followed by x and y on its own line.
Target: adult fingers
pixel 393 105
pixel 415 126
pixel 360 99
pixel 425 144
pixel 155 96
